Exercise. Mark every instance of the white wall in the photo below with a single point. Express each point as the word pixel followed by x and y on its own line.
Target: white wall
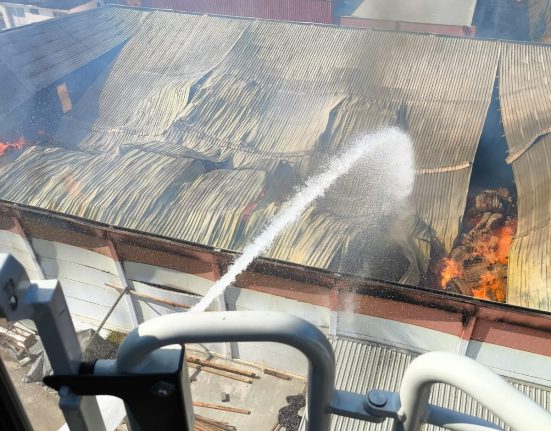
pixel 514 363
pixel 389 332
pixel 83 275
pixel 15 245
pixel 16 14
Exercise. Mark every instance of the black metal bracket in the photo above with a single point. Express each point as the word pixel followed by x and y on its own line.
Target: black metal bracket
pixel 154 401
pixel 352 405
pixel 383 403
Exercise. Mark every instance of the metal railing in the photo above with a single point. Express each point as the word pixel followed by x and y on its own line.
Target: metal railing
pixel 154 382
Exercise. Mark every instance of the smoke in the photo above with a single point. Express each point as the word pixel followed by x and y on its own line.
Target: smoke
pixel 374 194
pixel 395 142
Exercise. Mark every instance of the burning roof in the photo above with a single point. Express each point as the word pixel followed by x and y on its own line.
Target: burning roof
pixel 187 132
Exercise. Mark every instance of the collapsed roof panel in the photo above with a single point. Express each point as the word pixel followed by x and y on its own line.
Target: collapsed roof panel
pixel 210 210
pixel 150 82
pixel 524 94
pixel 526 112
pixel 530 254
pixel 119 191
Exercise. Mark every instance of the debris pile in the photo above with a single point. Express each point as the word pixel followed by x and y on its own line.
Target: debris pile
pixel 20 339
pixel 288 416
pixel 93 346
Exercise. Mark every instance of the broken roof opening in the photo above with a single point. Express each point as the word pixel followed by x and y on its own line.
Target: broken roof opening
pixel 478 262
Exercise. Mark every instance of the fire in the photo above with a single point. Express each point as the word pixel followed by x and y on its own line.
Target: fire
pixel 18 144
pixel 505 239
pixel 494 246
pixel 450 270
pixel 491 287
pixel 491 247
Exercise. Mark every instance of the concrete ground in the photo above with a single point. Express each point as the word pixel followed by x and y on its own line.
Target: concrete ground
pixel 264 397
pixel 41 405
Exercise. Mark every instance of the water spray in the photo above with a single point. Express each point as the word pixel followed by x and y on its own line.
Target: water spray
pixel 314 188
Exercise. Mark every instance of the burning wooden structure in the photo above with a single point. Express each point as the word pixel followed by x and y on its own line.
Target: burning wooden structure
pixel 477 264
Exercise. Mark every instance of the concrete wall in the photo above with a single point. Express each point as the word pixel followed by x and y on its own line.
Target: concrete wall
pixel 14 244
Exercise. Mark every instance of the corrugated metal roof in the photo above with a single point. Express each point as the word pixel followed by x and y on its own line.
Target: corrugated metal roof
pixel 320 11
pixel 254 94
pixel 361 367
pixel 526 111
pixel 119 191
pixel 13 91
pixel 156 71
pixel 42 54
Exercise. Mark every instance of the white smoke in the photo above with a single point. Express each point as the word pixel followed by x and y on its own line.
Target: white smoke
pixel 373 152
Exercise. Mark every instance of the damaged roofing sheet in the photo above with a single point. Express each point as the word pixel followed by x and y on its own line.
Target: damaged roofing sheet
pixel 262 104
pixel 526 112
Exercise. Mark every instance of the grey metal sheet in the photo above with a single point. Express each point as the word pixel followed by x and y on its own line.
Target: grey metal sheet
pixel 362 366
pixel 13 91
pixel 41 54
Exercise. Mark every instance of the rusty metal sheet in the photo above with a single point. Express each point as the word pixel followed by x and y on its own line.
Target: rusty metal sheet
pixel 319 11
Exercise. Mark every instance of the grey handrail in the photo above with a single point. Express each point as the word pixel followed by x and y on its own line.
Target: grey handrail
pixel 181 328
pixel 485 386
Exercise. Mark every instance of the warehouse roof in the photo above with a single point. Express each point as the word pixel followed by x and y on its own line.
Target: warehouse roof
pixel 526 113
pixel 254 107
pixel 250 95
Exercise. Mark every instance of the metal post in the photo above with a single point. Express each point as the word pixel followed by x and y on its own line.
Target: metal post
pixel 130 301
pixel 491 390
pixel 30 250
pixel 44 303
pixel 180 328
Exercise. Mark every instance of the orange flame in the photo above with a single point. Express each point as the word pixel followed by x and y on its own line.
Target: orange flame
pixel 18 144
pixel 450 270
pixel 494 248
pixel 505 239
pixel 491 287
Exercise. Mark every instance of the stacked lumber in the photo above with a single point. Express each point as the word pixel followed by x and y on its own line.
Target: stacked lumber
pixel 20 339
pixel 205 424
pixel 227 371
